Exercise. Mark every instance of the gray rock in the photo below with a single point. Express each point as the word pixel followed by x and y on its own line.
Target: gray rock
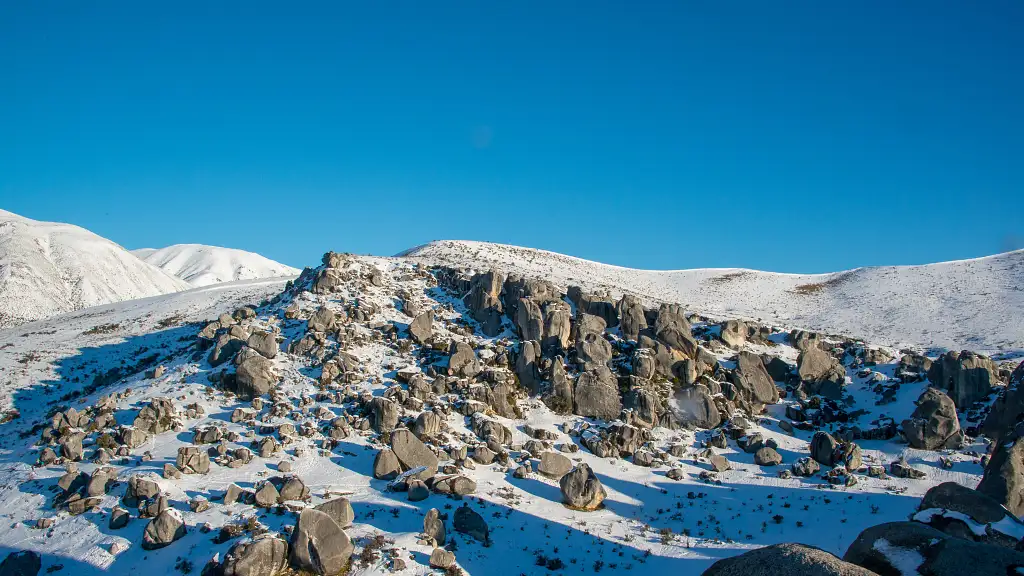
pixel 785 559
pixel 161 531
pixel 412 453
pixel 264 555
pixel 267 495
pixel 441 558
pixel 950 496
pixel 462 360
pixel 323 320
pixel 421 328
pixel 468 521
pixel 433 527
pixel 339 509
pixel 696 408
pixel 631 316
pixel 529 320
pixel 754 387
pixel 823 446
pixel 21 563
pixel 417 491
pixel 821 373
pixel 581 490
pixel 263 342
pixel 597 394
pixel 805 467
pixel 319 545
pixel 484 301
pixel 193 460
pixel 719 463
pixel 385 414
pixel 427 425
pixel 1004 476
pixel 118 518
pixel 224 349
pixel 967 376
pixel 526 365
pixel 554 465
pixel 255 376
pixel 455 485
pixel 767 457
pixel 733 333
pixel 934 423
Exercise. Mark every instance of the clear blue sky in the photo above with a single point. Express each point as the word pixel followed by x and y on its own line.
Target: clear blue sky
pixel 791 136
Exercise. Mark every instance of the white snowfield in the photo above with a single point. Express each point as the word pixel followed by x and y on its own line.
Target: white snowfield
pixel 201 265
pixel 49 268
pixel 975 304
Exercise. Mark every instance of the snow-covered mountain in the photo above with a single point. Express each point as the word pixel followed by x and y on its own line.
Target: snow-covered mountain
pixel 49 268
pixel 201 265
pixel 967 304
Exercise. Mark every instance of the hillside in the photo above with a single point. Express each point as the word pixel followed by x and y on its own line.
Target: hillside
pixel 201 265
pixel 973 304
pixel 50 268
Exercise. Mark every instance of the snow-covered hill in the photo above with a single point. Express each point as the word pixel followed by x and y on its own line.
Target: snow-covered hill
pixel 202 265
pixel 967 304
pixel 49 268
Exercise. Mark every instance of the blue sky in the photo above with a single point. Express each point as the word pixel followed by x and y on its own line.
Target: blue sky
pixel 800 136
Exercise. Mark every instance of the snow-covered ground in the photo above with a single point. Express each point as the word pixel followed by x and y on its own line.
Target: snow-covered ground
pixel 649 524
pixel 201 265
pixel 973 304
pixel 49 268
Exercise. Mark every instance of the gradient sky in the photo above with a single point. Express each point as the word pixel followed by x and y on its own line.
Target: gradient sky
pixel 791 136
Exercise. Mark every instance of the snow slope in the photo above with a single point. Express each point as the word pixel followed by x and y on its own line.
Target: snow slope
pixel 973 304
pixel 49 268
pixel 202 265
pixel 649 524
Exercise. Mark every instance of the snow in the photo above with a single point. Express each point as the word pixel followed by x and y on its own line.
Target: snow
pixel 49 268
pixel 201 265
pixel 1008 525
pixel 967 304
pixel 906 560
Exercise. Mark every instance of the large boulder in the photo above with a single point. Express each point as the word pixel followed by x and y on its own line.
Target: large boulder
pixel 934 423
pixel 1008 409
pixel 462 360
pixel 161 531
pixel 962 512
pixel 820 373
pixel 323 320
pixel 631 316
pixel 421 328
pixel 526 364
pixel 21 563
pixel 581 490
pixel 264 555
pixel 823 446
pixel 484 301
pixel 470 522
pixel 529 319
pixel 912 548
pixel 597 394
pixel 263 342
pixel 319 545
pixel 433 526
pixel 788 560
pixel 255 377
pixel 386 465
pixel 754 386
pixel 554 464
pixel 967 376
pixel 696 408
pixel 733 333
pixel 1004 476
pixel 592 348
pixel 339 509
pixel 385 413
pixel 412 453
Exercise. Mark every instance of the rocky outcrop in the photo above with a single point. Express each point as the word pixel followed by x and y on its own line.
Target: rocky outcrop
pixel 597 394
pixel 821 373
pixel 1004 475
pixel 412 453
pixel 754 386
pixel 934 423
pixel 968 377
